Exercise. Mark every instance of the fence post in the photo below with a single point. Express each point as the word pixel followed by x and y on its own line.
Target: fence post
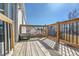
pixel 58 32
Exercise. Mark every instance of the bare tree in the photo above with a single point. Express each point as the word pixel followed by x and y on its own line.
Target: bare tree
pixel 73 14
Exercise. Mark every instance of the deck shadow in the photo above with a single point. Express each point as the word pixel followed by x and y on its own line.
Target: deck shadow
pixel 53 52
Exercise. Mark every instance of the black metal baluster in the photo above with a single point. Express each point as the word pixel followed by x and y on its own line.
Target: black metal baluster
pixel 61 32
pixel 76 32
pixel 72 33
pixel 69 32
pixel 4 36
pixel 64 31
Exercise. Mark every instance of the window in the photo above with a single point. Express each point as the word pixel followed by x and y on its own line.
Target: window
pixel 5 38
pixel 2 8
pixel 10 11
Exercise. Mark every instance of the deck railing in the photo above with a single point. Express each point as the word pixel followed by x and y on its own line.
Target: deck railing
pixel 52 31
pixel 65 32
pixel 6 33
pixel 32 30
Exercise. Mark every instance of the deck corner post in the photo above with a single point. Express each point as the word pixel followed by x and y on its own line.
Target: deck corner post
pixel 13 38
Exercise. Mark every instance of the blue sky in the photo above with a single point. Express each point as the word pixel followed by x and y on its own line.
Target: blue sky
pixel 48 13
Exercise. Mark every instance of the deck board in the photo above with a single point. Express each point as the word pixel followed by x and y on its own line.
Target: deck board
pixel 40 52
pixel 74 53
pixel 17 49
pixel 25 48
pixel 46 52
pixel 28 49
pixel 34 47
pixel 34 51
pixel 22 51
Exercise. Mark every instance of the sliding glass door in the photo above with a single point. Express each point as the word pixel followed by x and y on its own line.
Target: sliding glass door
pixel 5 38
pixel 1 38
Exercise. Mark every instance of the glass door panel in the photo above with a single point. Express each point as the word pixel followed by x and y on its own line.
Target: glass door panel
pixel 1 39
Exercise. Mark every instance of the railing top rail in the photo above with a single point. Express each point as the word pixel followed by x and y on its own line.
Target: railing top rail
pixel 52 24
pixel 70 21
pixel 5 19
pixel 65 22
pixel 34 25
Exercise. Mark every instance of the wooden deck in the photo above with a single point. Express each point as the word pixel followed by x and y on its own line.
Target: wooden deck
pixel 43 47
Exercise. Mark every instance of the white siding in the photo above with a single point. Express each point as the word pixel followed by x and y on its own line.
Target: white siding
pixel 19 18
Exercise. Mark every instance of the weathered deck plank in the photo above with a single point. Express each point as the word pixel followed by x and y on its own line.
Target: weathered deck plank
pixel 74 53
pixel 40 52
pixel 34 47
pixel 28 49
pixel 77 51
pixel 66 51
pixel 34 51
pixel 18 49
pixel 22 52
pixel 46 52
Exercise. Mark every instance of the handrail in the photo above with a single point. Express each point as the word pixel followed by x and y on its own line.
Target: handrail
pixel 70 21
pixel 34 25
pixel 7 20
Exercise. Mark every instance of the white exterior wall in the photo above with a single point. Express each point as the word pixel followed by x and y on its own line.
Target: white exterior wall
pixel 24 21
pixel 19 17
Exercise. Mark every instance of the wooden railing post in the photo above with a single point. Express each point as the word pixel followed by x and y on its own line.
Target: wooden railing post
pixel 58 32
pixel 12 31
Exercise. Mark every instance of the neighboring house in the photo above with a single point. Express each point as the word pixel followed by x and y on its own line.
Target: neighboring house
pixel 16 12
